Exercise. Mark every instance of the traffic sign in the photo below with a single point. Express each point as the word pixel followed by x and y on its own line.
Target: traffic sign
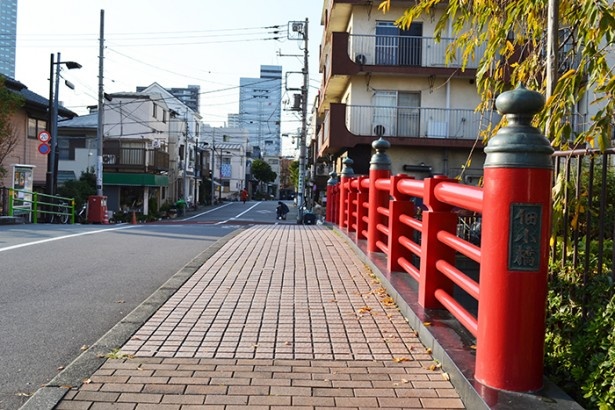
pixel 44 148
pixel 44 136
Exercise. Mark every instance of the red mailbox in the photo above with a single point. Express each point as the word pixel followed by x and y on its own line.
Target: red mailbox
pixel 97 209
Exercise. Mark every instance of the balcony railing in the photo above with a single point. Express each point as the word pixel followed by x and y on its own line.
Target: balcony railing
pixel 418 122
pixel 405 51
pixel 121 158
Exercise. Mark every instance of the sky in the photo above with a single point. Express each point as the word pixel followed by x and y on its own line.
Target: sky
pixel 184 42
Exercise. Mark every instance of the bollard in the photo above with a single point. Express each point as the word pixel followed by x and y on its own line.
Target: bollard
pixel 515 235
pixel 380 167
pixel 134 218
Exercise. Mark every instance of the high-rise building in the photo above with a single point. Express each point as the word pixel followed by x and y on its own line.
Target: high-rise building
pixel 260 101
pixel 190 95
pixel 8 36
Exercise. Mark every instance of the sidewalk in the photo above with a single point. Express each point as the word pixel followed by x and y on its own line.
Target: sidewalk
pixel 280 316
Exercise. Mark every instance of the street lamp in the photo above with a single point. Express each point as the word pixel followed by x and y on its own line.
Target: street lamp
pixel 54 88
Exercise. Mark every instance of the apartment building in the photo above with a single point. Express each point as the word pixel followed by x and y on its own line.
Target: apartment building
pixel 8 37
pixel 381 81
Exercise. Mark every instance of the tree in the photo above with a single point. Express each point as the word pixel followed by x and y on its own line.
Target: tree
pixel 293 169
pixel 262 172
pixel 79 190
pixel 9 105
pixel 515 34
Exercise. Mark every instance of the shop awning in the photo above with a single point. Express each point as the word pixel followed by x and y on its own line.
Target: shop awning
pixel 128 179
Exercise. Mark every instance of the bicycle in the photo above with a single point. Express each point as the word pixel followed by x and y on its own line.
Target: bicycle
pixel 60 214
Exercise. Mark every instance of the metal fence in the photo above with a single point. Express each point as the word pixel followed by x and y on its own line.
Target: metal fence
pixel 407 51
pixel 584 214
pixel 418 122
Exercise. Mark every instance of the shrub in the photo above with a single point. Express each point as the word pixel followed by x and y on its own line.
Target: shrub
pixel 580 337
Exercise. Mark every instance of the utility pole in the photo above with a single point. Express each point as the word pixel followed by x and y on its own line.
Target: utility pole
pixel 101 110
pixel 301 29
pixel 304 101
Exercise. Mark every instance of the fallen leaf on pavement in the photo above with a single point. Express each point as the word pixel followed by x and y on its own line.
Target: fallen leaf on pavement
pixel 365 309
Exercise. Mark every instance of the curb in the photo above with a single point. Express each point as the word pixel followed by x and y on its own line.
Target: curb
pixel 48 396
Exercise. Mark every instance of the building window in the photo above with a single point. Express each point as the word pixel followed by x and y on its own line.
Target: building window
pixel 35 126
pixel 155 110
pixel 395 46
pixel 68 146
pixel 397 112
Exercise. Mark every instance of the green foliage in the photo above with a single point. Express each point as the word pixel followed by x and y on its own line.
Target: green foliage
pixel 580 337
pixel 261 170
pixel 513 36
pixel 80 189
pixel 293 170
pixel 9 105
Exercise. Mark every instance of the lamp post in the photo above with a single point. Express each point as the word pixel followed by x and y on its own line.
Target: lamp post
pixel 54 88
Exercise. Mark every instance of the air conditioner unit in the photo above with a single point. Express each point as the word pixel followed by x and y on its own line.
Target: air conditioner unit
pixel 360 59
pixel 437 129
pixel 108 159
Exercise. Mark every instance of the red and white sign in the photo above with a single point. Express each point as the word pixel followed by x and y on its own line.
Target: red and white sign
pixel 44 136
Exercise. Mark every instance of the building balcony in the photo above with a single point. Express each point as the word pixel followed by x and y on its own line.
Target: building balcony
pixel 125 157
pixel 346 126
pixel 354 54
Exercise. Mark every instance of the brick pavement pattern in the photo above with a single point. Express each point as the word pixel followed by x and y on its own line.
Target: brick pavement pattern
pixel 282 316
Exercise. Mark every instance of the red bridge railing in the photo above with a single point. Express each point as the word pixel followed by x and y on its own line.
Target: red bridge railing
pixel 414 224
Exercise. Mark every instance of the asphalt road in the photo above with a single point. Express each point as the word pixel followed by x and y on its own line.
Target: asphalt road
pixel 64 286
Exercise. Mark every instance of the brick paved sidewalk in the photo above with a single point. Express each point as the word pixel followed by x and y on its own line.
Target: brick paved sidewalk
pixel 281 316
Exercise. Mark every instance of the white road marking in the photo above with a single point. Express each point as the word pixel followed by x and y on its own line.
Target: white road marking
pixel 23 245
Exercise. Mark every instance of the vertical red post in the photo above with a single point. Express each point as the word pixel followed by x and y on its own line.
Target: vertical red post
pixel 437 217
pixel 400 204
pixel 331 197
pixel 362 200
pixel 380 167
pixel 345 176
pixel 335 213
pixel 353 192
pixel 515 237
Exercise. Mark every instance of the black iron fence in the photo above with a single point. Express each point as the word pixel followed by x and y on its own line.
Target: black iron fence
pixel 584 210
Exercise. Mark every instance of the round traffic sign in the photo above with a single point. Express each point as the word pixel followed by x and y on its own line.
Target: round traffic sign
pixel 44 136
pixel 44 148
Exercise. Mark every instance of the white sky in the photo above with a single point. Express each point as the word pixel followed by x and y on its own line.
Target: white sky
pixel 174 43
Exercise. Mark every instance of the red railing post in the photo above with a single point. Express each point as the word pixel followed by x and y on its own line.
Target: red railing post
pixel 362 200
pixel 400 204
pixel 331 197
pixel 515 237
pixel 353 192
pixel 345 176
pixel 436 217
pixel 336 204
pixel 380 167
